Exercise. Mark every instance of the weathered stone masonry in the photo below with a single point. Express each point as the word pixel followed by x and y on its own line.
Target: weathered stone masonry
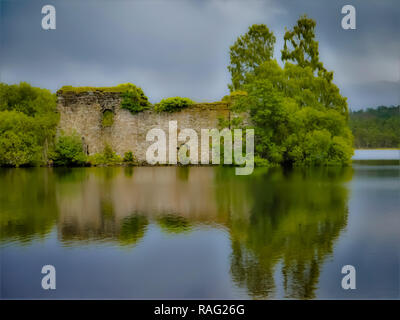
pixel 82 112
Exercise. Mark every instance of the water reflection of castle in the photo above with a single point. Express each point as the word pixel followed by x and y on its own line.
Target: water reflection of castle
pixel 288 216
pixel 98 206
pixel 292 216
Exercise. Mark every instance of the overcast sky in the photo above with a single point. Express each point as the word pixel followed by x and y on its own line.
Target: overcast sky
pixel 181 47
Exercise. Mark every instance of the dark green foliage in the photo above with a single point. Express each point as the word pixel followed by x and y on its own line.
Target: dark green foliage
pixel 173 104
pixel 68 151
pixel 107 119
pixel 134 99
pixel 376 128
pixel 28 121
pixel 249 52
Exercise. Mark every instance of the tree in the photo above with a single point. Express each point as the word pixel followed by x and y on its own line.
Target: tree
pixel 301 47
pixel 28 120
pixel 297 112
pixel 19 143
pixel 291 125
pixel 250 51
pixel 27 99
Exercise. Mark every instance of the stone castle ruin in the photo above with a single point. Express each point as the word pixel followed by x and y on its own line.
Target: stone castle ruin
pixel 83 112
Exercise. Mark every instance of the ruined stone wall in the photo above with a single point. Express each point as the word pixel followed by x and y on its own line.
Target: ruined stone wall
pixel 83 112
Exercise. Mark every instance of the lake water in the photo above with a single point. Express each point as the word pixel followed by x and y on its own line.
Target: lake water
pixel 383 154
pixel 201 232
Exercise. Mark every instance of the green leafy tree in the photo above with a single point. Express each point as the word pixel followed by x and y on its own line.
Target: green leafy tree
pixel 28 120
pixel 248 52
pixel 27 99
pixel 291 124
pixel 19 143
pixel 301 47
pixel 298 114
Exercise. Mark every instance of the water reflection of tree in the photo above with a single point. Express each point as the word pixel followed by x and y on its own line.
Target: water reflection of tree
pixel 133 229
pixel 28 204
pixel 174 224
pixel 295 218
pixel 276 218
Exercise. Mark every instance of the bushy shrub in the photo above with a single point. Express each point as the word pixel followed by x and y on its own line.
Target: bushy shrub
pixel 107 119
pixel 107 157
pixel 173 104
pixel 134 100
pixel 129 157
pixel 68 151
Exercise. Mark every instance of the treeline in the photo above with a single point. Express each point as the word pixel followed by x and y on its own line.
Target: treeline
pixel 376 128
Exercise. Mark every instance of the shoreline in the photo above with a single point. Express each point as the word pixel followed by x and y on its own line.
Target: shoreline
pixel 145 164
pixel 377 149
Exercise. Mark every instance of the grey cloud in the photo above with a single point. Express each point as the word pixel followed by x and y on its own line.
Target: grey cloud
pixel 181 47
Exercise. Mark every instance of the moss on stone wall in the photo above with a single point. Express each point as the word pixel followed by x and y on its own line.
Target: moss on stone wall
pixel 119 88
pixel 107 119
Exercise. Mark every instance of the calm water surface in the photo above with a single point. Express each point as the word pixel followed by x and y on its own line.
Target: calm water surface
pixel 200 232
pixel 383 154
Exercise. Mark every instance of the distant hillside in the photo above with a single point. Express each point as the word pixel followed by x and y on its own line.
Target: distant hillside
pixel 371 94
pixel 376 128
